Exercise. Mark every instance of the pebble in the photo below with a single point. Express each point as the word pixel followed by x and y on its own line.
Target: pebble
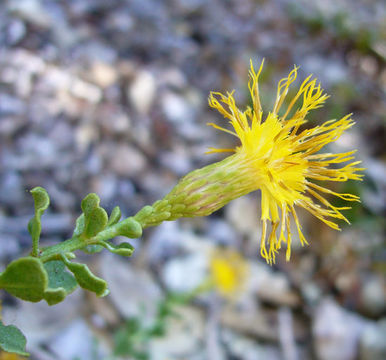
pixel 141 91
pixel 104 75
pixel 40 322
pixel 184 336
pixel 31 10
pixel 372 342
pixel 177 161
pixel 176 108
pixel 373 295
pixel 271 286
pixel 336 331
pixel 125 160
pixel 11 188
pixel 10 105
pixel 16 31
pixel 174 272
pixel 9 245
pixel 133 291
pixel 77 341
pixel 245 348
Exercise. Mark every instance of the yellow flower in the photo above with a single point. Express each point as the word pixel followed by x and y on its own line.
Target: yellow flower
pixel 276 157
pixel 228 271
pixel 283 162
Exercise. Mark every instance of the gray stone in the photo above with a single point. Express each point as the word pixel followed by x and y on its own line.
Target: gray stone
pixel 15 31
pixel 10 105
pixel 11 188
pixel 142 90
pixel 246 348
pixel 76 341
pixel 174 273
pixel 103 74
pixel 184 336
pixel 177 161
pixel 126 160
pixel 9 246
pixel 133 291
pixel 373 295
pixel 40 322
pixel 176 108
pixel 372 342
pixel 336 332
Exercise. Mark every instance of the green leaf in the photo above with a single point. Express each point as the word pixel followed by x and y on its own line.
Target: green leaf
pixel 115 216
pixel 130 228
pixel 25 278
pixel 89 203
pixel 86 279
pixel 96 221
pixel 123 249
pixel 41 200
pixel 12 340
pixel 54 296
pixel 79 225
pixel 60 282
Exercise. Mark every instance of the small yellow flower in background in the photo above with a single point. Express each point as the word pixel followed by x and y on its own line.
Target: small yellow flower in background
pixel 228 271
pixel 276 157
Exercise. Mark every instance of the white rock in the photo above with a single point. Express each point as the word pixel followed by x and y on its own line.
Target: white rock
pixel 373 295
pixel 184 274
pixel 176 108
pixel 40 322
pixel 244 348
pixel 336 332
pixel 126 160
pixel 142 91
pixel 133 291
pixel 373 344
pixel 243 214
pixel 76 341
pixel 184 337
pixel 103 74
pixel 84 90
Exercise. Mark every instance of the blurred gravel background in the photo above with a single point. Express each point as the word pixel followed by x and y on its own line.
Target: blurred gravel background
pixel 111 97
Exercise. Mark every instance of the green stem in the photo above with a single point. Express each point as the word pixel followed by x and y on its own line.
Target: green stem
pixel 35 247
pixel 78 242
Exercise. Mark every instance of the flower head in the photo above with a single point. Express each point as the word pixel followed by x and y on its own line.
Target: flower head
pixel 283 161
pixel 275 156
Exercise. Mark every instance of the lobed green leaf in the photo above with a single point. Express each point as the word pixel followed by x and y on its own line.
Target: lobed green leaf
pixel 89 203
pixel 86 279
pixel 60 282
pixel 12 340
pixel 25 278
pixel 130 228
pixel 79 225
pixel 96 221
pixel 42 201
pixel 123 249
pixel 115 216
